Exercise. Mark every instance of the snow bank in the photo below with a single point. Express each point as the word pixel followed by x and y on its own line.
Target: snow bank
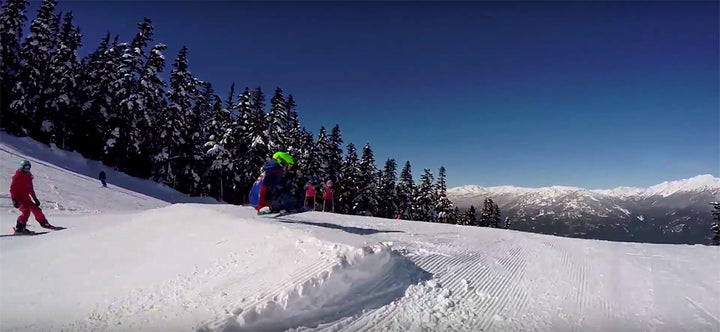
pixel 78 169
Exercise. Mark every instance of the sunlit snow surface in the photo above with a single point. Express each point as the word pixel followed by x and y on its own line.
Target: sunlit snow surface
pixel 130 260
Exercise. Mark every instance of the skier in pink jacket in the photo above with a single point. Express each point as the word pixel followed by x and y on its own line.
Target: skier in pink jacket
pixel 328 198
pixel 310 194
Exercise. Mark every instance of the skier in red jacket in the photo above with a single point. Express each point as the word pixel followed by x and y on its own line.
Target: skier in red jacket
pixel 24 198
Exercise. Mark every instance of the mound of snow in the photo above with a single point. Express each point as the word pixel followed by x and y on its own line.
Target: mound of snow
pixel 363 279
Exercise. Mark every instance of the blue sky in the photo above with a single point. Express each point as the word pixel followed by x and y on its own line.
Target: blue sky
pixel 588 94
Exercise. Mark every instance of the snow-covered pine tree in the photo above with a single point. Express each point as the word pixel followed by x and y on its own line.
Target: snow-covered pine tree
pixel 198 119
pixel 406 192
pixel 495 219
pixel 323 150
pixel 470 217
pixel 12 20
pixel 426 198
pixel 150 99
pixel 234 141
pixel 457 216
pixel 388 205
pixel 295 131
pixel 490 216
pixel 221 160
pixel 174 136
pixel 366 202
pixel 28 103
pixel 351 183
pixel 444 206
pixel 97 73
pixel 62 91
pixel 305 160
pixel 252 109
pixel 334 156
pixel 121 148
pixel 507 222
pixel 279 124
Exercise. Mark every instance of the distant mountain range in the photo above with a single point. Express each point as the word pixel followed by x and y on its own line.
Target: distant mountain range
pixel 670 212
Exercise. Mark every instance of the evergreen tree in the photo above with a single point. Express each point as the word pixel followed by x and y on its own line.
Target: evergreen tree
pixel 406 192
pixel 234 140
pixel 334 155
pixel 388 191
pixel 323 150
pixel 715 227
pixel 200 119
pixel 175 133
pixel 279 124
pixel 12 20
pixel 470 217
pixel 426 198
pixel 251 150
pixel 507 222
pixel 27 107
pixel 456 216
pixel 305 159
pixel 256 128
pixel 62 93
pixel 97 72
pixel 490 216
pixel 131 108
pixel 366 202
pixel 220 158
pixel 150 98
pixel 295 130
pixel 444 206
pixel 351 182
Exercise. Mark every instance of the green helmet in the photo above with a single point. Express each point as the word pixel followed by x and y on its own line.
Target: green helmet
pixel 283 157
pixel 24 164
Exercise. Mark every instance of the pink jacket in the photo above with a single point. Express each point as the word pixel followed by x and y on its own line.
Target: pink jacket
pixel 328 194
pixel 309 191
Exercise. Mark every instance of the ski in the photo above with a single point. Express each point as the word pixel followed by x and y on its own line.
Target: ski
pixel 31 233
pixel 278 214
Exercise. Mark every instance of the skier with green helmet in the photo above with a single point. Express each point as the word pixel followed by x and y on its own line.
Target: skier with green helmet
pixel 271 191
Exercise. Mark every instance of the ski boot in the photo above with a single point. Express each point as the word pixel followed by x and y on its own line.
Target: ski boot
pixel 21 229
pixel 46 224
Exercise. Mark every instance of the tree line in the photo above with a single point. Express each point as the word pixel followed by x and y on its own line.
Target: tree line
pixel 113 106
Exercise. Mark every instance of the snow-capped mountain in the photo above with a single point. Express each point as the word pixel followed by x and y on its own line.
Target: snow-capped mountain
pixel 670 212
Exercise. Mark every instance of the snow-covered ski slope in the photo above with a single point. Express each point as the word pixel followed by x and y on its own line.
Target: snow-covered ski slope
pixel 132 262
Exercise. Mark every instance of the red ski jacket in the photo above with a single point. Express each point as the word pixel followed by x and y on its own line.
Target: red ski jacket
pixel 21 187
pixel 328 194
pixel 309 191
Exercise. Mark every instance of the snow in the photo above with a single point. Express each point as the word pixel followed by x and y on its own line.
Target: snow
pixel 130 260
pixel 698 183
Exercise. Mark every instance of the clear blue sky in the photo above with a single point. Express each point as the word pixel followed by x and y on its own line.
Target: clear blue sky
pixel 588 94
